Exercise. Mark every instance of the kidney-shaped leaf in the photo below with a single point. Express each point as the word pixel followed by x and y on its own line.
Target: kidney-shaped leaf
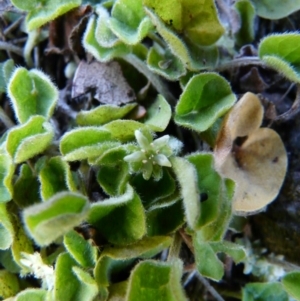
pixel 41 12
pixel 31 93
pixel 32 294
pixel 47 221
pixel 29 139
pixel 120 220
pixel 154 280
pixel 86 142
pixel 205 98
pixel 9 284
pixel 6 228
pixel 280 51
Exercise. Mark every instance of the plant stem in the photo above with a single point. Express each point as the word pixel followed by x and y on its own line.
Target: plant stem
pixel 5 119
pixel 154 79
pixel 13 26
pixel 210 288
pixel 10 47
pixel 157 39
pixel 175 247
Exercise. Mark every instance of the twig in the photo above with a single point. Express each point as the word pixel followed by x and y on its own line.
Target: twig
pixel 10 47
pixel 187 239
pixel 13 26
pixel 210 288
pixel 175 247
pixel 5 119
pixel 189 278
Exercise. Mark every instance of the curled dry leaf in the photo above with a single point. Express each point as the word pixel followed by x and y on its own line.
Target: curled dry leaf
pixel 106 79
pixel 255 158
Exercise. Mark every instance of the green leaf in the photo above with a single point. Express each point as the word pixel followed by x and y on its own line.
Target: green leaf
pixel 88 287
pixel 187 179
pixel 235 251
pixel 280 51
pixel 7 169
pixel 80 249
pixel 290 283
pixel 123 130
pixel 6 69
pixel 102 54
pixel 216 230
pixel 156 190
pixel 103 114
pixel 205 98
pixel 86 142
pixel 120 220
pixel 193 57
pixel 31 93
pixel 26 187
pixel 31 294
pixel 158 114
pixel 198 23
pixel 47 221
pixel 111 259
pixel 246 11
pixel 6 228
pixel 9 284
pixel 273 9
pixel 164 63
pixel 207 261
pixel 20 139
pixel 40 12
pixel 66 283
pixel 264 291
pixel 56 176
pixel 165 220
pixel 129 22
pixel 117 291
pixel 154 280
pixel 210 186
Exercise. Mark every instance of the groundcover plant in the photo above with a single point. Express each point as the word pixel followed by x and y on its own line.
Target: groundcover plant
pixel 136 138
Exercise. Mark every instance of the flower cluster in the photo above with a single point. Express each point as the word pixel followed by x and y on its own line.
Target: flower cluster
pixel 151 156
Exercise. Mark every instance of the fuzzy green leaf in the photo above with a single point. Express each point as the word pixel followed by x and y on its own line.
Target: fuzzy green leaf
pixel 264 291
pixel 26 188
pixel 80 249
pixel 86 142
pixel 123 130
pixel 88 288
pixel 205 98
pixel 42 11
pixel 120 220
pixel 6 228
pixel 235 251
pixel 29 139
pixel 102 54
pixel 158 114
pixel 6 69
pixel 246 11
pixel 280 51
pixel 66 283
pixel 129 22
pixel 112 258
pixel 31 294
pixel 193 57
pixel 156 190
pixel 187 179
pixel 31 93
pixel 55 176
pixel 207 261
pixel 9 284
pixel 274 9
pixel 103 114
pixel 154 280
pixel 7 170
pixel 210 186
pixel 165 220
pixel 47 221
pixel 164 63
pixel 290 283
